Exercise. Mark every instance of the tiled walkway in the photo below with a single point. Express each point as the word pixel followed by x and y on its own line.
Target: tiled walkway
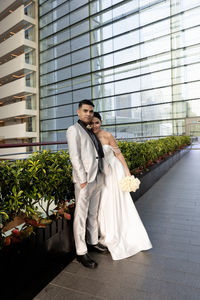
pixel 170 211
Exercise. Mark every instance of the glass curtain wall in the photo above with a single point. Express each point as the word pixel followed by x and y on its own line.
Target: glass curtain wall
pixel 137 60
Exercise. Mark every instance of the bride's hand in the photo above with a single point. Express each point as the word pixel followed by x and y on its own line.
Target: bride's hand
pixel 128 173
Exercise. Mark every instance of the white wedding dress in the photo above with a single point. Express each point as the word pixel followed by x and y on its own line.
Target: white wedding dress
pixel 120 226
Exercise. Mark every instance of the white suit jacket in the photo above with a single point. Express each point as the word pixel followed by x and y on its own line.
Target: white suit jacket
pixel 83 154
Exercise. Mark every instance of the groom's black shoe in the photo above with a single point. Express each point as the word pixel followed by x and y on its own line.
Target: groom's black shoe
pixel 98 248
pixel 86 261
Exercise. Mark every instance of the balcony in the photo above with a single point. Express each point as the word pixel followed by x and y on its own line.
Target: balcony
pixel 14 88
pixel 18 131
pixel 15 22
pixel 16 110
pixel 7 5
pixel 8 153
pixel 15 45
pixel 17 64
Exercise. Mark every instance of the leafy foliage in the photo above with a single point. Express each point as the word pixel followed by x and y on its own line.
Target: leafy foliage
pixel 44 177
pixel 47 177
pixel 140 156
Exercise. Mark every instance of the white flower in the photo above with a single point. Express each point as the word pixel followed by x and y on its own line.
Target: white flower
pixel 89 127
pixel 129 184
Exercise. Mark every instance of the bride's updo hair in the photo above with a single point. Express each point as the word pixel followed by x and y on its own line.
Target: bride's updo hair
pixel 97 115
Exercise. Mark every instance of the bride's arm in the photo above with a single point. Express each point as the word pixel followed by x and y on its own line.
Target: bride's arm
pixel 118 153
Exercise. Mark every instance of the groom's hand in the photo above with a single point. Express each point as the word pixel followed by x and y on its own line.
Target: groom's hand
pixel 83 185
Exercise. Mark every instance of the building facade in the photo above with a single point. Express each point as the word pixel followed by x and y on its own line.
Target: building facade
pixel 18 74
pixel 137 60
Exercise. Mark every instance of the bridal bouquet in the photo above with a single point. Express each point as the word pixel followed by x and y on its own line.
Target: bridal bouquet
pixel 129 184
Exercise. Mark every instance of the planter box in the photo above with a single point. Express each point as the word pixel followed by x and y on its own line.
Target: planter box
pixel 56 238
pixel 156 172
pixel 28 266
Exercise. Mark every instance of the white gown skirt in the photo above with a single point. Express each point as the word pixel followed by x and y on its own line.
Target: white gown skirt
pixel 120 226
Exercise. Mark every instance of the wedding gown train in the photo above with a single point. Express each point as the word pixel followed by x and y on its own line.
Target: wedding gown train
pixel 120 226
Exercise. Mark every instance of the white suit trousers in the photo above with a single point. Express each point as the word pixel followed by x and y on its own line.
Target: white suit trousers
pixel 85 217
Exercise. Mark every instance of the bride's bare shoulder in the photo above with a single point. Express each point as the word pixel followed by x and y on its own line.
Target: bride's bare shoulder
pixel 106 134
pixel 103 133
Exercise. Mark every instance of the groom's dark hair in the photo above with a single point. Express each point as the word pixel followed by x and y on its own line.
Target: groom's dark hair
pixel 85 101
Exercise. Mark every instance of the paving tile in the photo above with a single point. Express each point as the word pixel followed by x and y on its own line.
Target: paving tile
pixel 167 263
pixel 54 292
pixel 108 285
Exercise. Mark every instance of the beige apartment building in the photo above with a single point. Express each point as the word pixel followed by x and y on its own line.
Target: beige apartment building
pixel 18 74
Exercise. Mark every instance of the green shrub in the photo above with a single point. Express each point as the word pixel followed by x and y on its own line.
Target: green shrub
pixel 47 177
pixel 140 156
pixel 50 176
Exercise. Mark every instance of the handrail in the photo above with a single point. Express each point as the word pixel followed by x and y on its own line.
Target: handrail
pixel 31 144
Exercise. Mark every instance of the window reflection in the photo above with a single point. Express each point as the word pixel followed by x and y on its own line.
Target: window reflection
pixel 138 60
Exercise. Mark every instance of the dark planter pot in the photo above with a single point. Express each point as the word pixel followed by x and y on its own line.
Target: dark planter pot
pixel 28 266
pixel 56 238
pixel 156 172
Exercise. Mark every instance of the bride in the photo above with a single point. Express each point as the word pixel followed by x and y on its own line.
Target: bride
pixel 120 226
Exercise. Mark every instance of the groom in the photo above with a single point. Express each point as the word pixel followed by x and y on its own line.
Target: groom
pixel 86 155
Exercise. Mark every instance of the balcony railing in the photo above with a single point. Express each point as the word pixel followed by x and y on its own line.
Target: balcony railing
pixel 29 147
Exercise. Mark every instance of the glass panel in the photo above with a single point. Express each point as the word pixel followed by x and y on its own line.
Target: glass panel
pixel 54 27
pixel 157 129
pixel 101 19
pixel 55 39
pixel 157 79
pixel 29 10
pixel 55 64
pixel 155 13
pixel 189 4
pixel 126 24
pixel 191 18
pixel 55 76
pixel 54 14
pixel 126 55
pixel 192 36
pixel 128 85
pixel 193 108
pixel 101 34
pixel 81 68
pixel 97 6
pixel 124 9
pixel 56 112
pixel 126 40
pixel 80 42
pixel 77 3
pixel 78 95
pixel 79 14
pixel 156 46
pixel 29 33
pixel 55 52
pixel 179 127
pixel 179 110
pixel 155 30
pixel 30 79
pixel 102 62
pixel 192 90
pixel 80 55
pixel 30 57
pixel 192 54
pixel 163 111
pixel 153 96
pixel 30 102
pixel 79 29
pixel 60 99
pixel 55 124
